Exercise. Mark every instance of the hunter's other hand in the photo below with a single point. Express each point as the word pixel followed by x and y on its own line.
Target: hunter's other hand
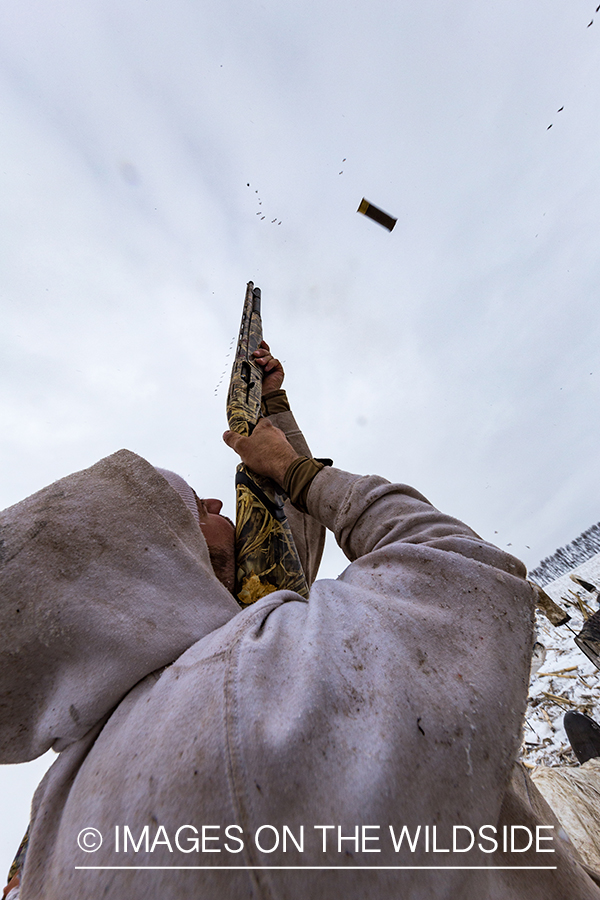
pixel 273 373
pixel 267 451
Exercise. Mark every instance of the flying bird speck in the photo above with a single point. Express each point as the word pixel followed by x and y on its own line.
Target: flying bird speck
pixel 591 23
pixel 549 127
pixel 560 110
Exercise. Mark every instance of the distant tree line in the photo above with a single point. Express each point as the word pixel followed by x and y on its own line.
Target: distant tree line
pixel 567 558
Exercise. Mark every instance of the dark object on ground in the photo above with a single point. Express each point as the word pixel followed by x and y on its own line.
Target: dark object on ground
pixel 588 639
pixel 378 215
pixel 584 584
pixel 583 734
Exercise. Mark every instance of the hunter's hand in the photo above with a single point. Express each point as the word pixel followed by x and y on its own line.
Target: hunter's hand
pixel 267 451
pixel 273 373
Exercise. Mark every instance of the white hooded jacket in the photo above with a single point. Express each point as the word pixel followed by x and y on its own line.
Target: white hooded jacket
pixel 393 697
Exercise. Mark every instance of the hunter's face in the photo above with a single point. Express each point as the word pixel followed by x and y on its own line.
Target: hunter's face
pixel 219 534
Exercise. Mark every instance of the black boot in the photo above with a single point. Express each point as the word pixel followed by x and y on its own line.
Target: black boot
pixel 583 734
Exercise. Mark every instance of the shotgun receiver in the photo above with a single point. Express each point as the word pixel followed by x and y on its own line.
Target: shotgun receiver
pixel 266 558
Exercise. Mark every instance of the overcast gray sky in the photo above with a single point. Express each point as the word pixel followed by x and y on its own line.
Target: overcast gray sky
pixel 459 353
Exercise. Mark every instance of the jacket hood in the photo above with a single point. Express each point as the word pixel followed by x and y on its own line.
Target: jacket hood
pixel 104 577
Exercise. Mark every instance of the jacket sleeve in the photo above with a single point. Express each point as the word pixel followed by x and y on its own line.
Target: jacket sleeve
pixel 395 695
pixel 367 513
pixel 309 534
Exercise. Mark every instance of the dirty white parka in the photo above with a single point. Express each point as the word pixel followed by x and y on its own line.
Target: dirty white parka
pixel 275 752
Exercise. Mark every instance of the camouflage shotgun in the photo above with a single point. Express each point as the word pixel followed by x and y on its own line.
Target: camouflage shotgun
pixel 266 558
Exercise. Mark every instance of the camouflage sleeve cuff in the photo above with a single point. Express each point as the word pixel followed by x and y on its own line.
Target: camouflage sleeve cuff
pixel 298 479
pixel 274 402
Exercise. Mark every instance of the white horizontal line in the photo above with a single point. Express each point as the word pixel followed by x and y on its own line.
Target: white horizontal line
pixel 328 868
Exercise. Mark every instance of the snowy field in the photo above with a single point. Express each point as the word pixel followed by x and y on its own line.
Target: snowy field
pixel 566 678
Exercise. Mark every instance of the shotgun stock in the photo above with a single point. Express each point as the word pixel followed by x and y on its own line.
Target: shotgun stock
pixel 266 556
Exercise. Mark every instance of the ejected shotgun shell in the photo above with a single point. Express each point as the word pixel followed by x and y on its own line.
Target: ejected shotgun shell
pixel 373 212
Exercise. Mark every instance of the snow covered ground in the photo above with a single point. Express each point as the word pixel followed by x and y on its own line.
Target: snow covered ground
pixel 566 679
